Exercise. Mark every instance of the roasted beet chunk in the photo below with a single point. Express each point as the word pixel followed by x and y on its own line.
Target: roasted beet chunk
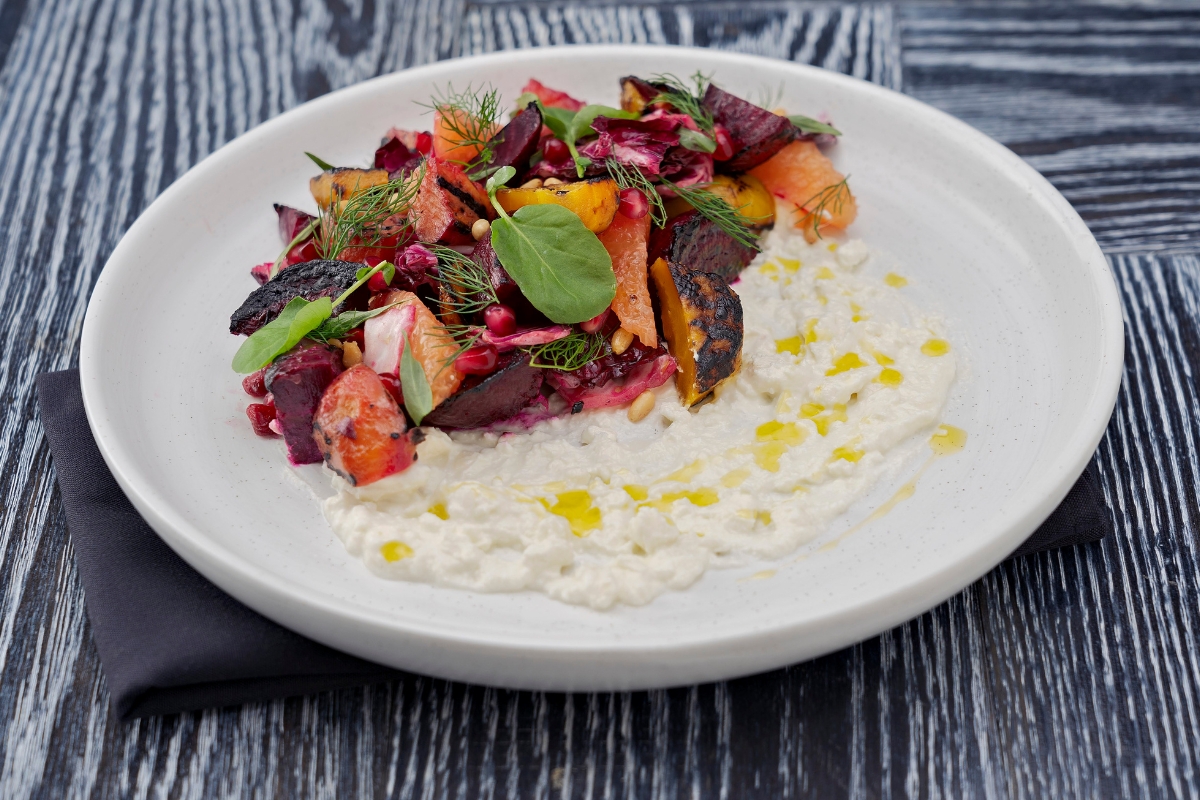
pixel 310 280
pixel 484 399
pixel 513 145
pixel 757 134
pixel 397 158
pixel 695 241
pixel 296 382
pixel 291 222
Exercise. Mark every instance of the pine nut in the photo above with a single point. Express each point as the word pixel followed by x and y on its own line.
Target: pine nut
pixel 351 354
pixel 642 405
pixel 553 182
pixel 621 339
pixel 480 229
pixel 536 183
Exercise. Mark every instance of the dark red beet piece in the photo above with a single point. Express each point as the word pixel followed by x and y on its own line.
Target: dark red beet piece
pixel 513 145
pixel 261 272
pixel 254 384
pixel 482 400
pixel 309 280
pixel 757 134
pixel 260 415
pixel 291 222
pixel 694 241
pixel 396 157
pixel 296 382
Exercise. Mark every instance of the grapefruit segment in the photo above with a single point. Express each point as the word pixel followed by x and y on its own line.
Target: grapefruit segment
pixel 626 242
pixel 433 347
pixel 802 175
pixel 359 429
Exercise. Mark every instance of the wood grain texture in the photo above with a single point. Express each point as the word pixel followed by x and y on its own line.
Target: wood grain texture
pixel 1067 674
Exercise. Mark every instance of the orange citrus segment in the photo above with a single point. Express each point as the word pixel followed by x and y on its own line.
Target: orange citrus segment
pixel 448 142
pixel 625 240
pixel 802 175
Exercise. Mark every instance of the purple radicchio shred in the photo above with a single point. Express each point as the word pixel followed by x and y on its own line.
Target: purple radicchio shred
pixel 684 167
pixel 397 158
pixel 416 266
pixel 640 143
pixel 757 134
pixel 291 222
pixel 484 399
pixel 296 382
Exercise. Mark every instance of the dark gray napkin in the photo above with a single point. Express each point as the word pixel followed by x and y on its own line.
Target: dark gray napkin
pixel 170 641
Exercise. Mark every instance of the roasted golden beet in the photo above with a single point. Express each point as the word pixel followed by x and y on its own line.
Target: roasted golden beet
pixel 702 323
pixel 745 193
pixel 343 183
pixel 594 201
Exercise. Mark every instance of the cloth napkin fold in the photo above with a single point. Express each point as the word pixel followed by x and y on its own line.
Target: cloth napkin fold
pixel 170 641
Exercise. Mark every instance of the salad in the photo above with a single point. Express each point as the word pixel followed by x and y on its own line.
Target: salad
pixel 520 263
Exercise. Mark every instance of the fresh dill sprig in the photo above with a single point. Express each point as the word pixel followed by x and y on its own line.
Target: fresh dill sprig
pixel 569 353
pixel 829 199
pixel 464 336
pixel 472 118
pixel 685 98
pixel 769 99
pixel 363 216
pixel 632 178
pixel 719 212
pixel 467 283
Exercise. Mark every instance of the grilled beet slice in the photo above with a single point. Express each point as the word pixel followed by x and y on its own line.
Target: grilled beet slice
pixel 309 280
pixel 296 382
pixel 696 242
pixel 757 134
pixel 484 399
pixel 513 145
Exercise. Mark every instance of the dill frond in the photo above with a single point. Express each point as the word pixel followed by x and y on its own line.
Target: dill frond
pixel 719 212
pixel 569 353
pixel 686 99
pixel 466 282
pixel 364 215
pixel 830 199
pixel 478 112
pixel 632 178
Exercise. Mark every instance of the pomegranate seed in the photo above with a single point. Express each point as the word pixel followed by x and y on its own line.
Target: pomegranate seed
pixel 500 319
pixel 255 383
pixel 595 323
pixel 357 336
pixel 478 360
pixel 392 384
pixel 724 150
pixel 424 143
pixel 633 203
pixel 555 151
pixel 377 283
pixel 261 416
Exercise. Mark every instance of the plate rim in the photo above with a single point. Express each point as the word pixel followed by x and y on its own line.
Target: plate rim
pixel 266 591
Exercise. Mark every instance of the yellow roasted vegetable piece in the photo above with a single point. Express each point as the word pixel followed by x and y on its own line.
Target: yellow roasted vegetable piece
pixel 343 183
pixel 742 192
pixel 594 201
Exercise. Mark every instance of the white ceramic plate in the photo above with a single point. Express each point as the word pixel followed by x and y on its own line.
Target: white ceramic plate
pixel 985 240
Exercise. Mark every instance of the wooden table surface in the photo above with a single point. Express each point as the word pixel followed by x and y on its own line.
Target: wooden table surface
pixel 1067 674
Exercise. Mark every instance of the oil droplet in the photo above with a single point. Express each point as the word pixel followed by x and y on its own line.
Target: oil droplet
pixel 792 345
pixel 882 360
pixel 735 478
pixel 784 405
pixel 439 511
pixel 935 348
pixel 898 281
pixel 948 440
pixel 846 363
pixel 577 509
pixel 763 517
pixel 810 331
pixel 890 377
pixel 637 492
pixel 775 431
pixel 856 309
pixel 698 497
pixel 810 410
pixel 825 274
pixel 762 576
pixel 790 264
pixel 687 473
pixel 394 551
pixel 767 455
pixel 770 269
pixel 833 247
pixel 903 493
pixel 824 421
pixel 847 454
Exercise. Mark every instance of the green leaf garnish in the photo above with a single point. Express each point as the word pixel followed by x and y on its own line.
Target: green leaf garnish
pixel 571 126
pixel 342 324
pixel 557 263
pixel 386 267
pixel 686 99
pixel 418 397
pixel 568 353
pixel 474 124
pixel 363 220
pixel 632 178
pixel 320 162
pixel 281 334
pixel 714 208
pixel 466 284
pixel 830 199
pixel 810 125
pixel 694 140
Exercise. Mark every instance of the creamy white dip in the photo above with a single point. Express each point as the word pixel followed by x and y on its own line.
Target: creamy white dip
pixel 839 371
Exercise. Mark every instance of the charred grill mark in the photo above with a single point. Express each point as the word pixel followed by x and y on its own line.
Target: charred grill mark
pixel 463 197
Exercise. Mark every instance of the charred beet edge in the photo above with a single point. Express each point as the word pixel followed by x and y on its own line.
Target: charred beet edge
pixel 482 400
pixel 514 144
pixel 296 382
pixel 309 280
pixel 757 134
pixel 697 242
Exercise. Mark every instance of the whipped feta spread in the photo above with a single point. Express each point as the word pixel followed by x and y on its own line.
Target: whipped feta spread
pixel 839 372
